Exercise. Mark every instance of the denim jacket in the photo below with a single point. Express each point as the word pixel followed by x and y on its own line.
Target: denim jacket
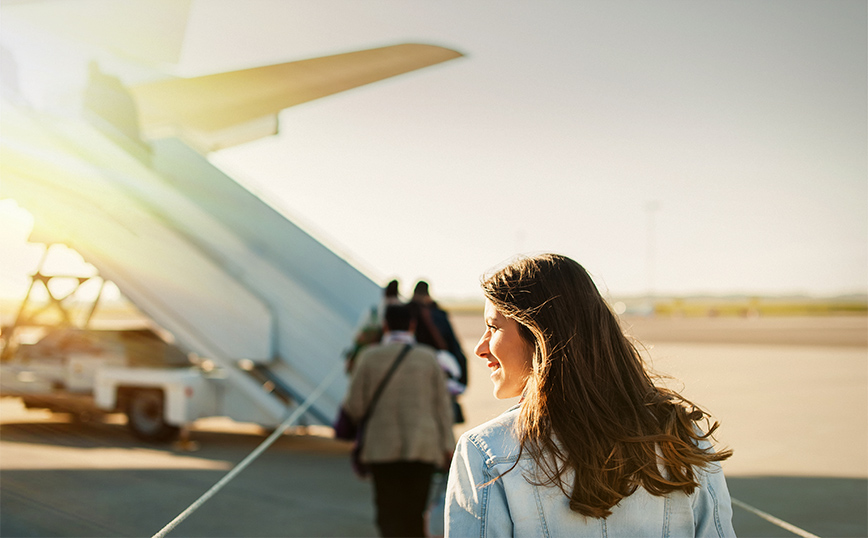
pixel 511 506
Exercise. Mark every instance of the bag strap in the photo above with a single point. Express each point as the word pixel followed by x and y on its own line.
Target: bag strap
pixel 388 375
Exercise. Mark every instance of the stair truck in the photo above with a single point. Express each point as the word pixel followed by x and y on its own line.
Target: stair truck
pixel 263 308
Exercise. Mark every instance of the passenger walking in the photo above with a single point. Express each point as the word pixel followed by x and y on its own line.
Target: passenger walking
pixel 409 432
pixel 371 331
pixel 390 295
pixel 440 319
pixel 426 332
pixel 435 329
pixel 594 447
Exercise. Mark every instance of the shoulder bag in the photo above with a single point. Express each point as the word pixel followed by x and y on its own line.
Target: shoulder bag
pixel 346 429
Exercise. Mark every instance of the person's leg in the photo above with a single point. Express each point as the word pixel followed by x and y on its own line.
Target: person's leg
pixel 401 494
pixel 387 497
pixel 418 485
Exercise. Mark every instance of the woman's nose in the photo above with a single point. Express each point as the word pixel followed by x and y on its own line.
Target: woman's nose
pixel 481 348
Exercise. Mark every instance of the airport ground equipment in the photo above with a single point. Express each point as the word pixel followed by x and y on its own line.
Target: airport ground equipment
pixel 265 308
pixel 50 356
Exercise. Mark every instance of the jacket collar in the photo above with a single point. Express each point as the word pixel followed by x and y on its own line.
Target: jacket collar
pixel 404 337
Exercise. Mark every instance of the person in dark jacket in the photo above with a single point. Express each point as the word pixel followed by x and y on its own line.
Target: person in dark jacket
pixel 434 328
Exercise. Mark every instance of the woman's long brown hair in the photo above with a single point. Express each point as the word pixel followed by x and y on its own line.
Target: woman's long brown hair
pixel 591 410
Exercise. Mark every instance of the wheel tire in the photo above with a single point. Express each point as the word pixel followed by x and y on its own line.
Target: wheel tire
pixel 145 416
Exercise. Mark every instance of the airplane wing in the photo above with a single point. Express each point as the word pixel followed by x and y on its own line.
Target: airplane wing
pixel 225 109
pixel 123 180
pixel 228 275
pixel 214 111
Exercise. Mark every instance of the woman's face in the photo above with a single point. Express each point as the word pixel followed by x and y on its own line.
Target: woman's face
pixel 509 356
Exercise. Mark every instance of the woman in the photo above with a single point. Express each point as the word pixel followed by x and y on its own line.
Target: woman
pixel 594 448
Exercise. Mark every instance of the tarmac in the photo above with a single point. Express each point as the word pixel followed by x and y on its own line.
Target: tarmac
pixel 793 408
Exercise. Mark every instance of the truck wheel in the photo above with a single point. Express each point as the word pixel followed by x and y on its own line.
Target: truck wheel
pixel 145 416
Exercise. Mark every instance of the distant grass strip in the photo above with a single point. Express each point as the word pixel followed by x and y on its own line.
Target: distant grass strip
pixel 758 307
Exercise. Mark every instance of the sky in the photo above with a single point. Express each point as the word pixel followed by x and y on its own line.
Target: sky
pixel 670 147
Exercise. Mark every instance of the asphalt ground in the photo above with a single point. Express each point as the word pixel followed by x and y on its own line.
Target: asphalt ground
pixel 795 411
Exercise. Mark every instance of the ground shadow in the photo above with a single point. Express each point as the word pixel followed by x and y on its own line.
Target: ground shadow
pixel 301 486
pixel 827 507
pixel 211 444
pixel 304 486
pixel 302 497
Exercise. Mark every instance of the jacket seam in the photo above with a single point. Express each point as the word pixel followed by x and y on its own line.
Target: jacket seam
pixel 542 515
pixel 713 494
pixel 488 457
pixel 667 508
pixel 489 462
pixel 484 505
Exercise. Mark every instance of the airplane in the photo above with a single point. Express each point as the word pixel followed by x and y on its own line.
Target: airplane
pixel 120 174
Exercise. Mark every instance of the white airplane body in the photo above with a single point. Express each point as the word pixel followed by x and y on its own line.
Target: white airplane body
pixel 129 187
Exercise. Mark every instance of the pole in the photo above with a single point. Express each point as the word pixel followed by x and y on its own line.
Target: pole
pixel 651 208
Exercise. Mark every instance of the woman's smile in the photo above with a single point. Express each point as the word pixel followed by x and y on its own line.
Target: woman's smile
pixel 509 356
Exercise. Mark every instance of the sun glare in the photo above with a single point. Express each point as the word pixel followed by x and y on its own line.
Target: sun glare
pixel 21 259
